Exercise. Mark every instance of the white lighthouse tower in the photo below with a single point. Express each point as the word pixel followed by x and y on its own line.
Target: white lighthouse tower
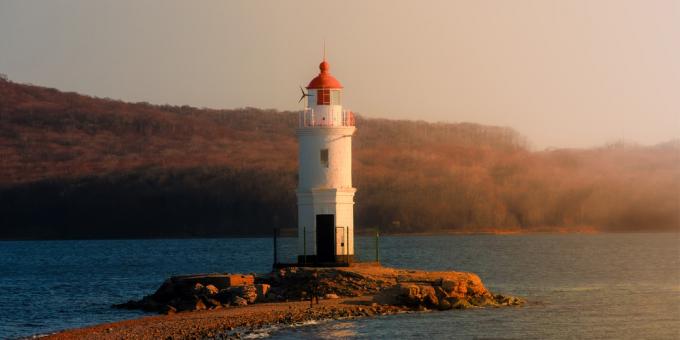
pixel 325 196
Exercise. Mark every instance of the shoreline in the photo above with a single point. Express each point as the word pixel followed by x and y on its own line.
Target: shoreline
pixel 229 305
pixel 436 233
pixel 230 323
pixel 235 322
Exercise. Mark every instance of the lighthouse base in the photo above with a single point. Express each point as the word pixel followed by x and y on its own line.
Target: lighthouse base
pixel 313 261
pixel 326 226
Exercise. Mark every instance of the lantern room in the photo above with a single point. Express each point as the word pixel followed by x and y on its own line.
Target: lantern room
pixel 324 101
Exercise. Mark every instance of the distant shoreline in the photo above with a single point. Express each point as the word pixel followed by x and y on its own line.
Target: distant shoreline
pixel 359 233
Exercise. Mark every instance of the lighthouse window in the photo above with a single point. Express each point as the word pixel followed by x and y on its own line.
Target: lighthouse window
pixel 324 158
pixel 323 97
pixel 335 97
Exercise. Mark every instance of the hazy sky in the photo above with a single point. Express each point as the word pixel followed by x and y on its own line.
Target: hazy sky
pixel 564 73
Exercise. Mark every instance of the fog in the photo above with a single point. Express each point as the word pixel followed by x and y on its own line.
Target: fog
pixel 562 73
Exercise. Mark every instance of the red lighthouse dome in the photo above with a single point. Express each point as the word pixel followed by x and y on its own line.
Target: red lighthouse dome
pixel 324 80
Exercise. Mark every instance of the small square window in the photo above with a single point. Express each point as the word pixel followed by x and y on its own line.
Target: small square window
pixel 324 158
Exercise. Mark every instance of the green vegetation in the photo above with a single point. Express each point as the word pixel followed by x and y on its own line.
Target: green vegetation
pixel 74 166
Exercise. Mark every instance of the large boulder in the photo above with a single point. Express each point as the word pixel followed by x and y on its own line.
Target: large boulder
pixel 182 304
pixel 249 292
pixel 388 296
pixel 429 296
pixel 457 303
pixel 201 285
pixel 508 300
pixel 411 295
pixel 239 301
pixel 262 290
pixel 444 304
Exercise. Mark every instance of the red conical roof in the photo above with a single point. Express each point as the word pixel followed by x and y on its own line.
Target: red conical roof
pixel 324 80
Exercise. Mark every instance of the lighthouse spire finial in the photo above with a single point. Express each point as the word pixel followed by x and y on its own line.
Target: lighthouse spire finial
pixel 324 49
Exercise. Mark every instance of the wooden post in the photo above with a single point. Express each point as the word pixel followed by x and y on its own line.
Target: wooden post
pixel 377 244
pixel 276 260
pixel 347 244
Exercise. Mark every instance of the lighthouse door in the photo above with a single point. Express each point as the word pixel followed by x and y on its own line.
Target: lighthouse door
pixel 325 238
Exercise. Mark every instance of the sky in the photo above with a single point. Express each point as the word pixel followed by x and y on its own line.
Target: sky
pixel 567 73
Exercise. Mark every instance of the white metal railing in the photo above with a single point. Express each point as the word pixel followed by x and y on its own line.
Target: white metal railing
pixel 308 118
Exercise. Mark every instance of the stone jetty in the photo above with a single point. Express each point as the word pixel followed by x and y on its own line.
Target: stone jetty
pixel 406 289
pixel 231 305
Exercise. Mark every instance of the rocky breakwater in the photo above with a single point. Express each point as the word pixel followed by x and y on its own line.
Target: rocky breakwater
pixel 399 289
pixel 200 292
pixel 418 290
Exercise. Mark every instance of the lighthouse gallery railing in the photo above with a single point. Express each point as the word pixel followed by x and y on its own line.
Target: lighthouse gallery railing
pixel 331 118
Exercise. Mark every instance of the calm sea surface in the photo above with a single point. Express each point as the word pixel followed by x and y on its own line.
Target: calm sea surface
pixel 612 286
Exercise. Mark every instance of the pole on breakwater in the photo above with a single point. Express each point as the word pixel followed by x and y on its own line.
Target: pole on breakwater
pixel 276 260
pixel 377 244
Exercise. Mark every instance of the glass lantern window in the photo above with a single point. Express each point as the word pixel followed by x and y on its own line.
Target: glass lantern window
pixel 335 97
pixel 323 97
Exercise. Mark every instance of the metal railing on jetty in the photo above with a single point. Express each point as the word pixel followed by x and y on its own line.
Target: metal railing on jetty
pixel 332 118
pixel 285 244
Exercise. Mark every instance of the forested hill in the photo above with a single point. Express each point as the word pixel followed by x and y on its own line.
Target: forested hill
pixel 75 166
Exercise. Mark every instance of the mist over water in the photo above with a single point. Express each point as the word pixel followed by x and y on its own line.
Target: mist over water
pixel 578 286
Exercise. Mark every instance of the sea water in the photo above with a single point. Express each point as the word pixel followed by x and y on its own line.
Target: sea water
pixel 611 286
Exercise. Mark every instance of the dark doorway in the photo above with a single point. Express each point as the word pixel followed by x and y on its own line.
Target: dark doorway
pixel 325 240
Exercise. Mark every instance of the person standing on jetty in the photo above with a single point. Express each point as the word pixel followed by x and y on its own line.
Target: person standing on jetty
pixel 313 289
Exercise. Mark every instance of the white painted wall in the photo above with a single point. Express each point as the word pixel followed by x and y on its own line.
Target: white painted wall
pixel 325 190
pixel 338 142
pixel 339 202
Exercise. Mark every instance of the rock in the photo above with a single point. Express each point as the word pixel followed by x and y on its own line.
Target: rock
pixel 387 296
pixel 482 301
pixel 441 294
pixel 400 289
pixel 444 304
pixel 167 309
pixel 190 303
pixel 149 304
pixel 166 291
pixel 239 301
pixel 211 290
pixel 132 304
pixel 509 300
pixel 224 296
pixel 428 296
pixel 410 294
pixel 249 293
pixel 408 290
pixel 199 305
pixel 262 290
pixel 207 291
pixel 457 303
pixel 504 300
pixel 198 288
pixel 212 303
pixel 240 280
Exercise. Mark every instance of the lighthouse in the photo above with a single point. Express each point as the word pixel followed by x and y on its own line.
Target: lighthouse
pixel 325 196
